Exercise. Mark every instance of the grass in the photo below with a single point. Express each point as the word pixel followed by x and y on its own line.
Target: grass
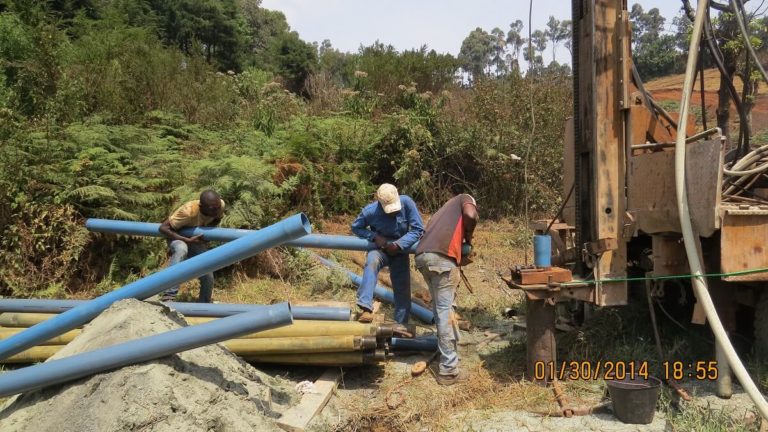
pixel 379 398
pixel 368 394
pixel 495 373
pixel 700 419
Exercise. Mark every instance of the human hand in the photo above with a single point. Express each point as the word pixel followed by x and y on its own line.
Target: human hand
pixel 196 239
pixel 392 249
pixel 380 241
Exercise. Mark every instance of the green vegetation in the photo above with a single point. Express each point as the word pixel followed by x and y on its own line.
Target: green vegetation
pixel 125 109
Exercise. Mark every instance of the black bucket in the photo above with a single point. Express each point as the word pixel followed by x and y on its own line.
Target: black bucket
pixel 634 400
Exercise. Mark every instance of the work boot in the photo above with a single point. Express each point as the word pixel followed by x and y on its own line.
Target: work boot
pixel 365 317
pixel 446 380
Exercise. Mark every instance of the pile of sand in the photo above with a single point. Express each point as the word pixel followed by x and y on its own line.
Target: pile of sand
pixel 206 389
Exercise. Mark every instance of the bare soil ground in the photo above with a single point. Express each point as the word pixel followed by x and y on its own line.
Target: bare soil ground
pixel 386 398
pixel 668 89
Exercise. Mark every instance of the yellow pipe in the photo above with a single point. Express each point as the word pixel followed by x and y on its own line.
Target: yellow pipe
pixel 16 319
pixel 315 328
pixel 62 339
pixel 328 343
pixel 296 345
pixel 34 354
pixel 320 359
pixel 243 347
pixel 298 328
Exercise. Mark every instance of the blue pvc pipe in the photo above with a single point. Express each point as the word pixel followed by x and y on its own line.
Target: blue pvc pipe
pixel 144 349
pixel 214 259
pixel 314 241
pixel 542 250
pixel 421 343
pixel 383 294
pixel 188 309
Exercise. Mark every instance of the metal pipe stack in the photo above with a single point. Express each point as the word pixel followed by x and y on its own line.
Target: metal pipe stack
pixel 304 342
pixel 300 312
pixel 34 330
pixel 268 237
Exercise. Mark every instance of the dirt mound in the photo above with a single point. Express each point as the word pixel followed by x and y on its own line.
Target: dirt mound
pixel 206 389
pixel 675 82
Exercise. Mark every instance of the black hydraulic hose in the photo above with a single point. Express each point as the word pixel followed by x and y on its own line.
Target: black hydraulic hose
pixel 648 102
pixel 717 56
pixel 562 207
pixel 744 79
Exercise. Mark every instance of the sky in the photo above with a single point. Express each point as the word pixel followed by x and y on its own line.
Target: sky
pixel 440 24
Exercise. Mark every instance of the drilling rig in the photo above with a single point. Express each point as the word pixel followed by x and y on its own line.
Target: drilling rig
pixel 620 227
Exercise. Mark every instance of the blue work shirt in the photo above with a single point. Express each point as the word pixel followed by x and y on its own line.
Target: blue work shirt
pixel 404 227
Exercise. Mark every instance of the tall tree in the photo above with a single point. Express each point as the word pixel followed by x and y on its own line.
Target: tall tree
pixel 207 27
pixel 499 50
pixel 653 51
pixel 539 41
pixel 294 60
pixel 556 32
pixel 737 63
pixel 334 63
pixel 476 53
pixel 516 41
pixel 261 26
pixel 567 27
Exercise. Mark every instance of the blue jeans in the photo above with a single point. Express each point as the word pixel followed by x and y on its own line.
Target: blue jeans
pixel 179 252
pixel 442 276
pixel 400 274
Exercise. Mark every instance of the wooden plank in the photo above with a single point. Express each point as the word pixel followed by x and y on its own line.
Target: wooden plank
pixel 704 168
pixel 541 276
pixel 743 246
pixel 647 128
pixel 541 225
pixel 651 193
pixel 608 173
pixel 298 417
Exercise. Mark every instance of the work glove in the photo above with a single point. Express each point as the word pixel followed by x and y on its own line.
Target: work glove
pixel 468 258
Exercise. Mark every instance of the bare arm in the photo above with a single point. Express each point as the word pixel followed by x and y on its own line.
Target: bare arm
pixel 469 216
pixel 168 231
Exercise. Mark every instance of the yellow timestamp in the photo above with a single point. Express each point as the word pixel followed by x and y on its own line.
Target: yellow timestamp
pixel 585 370
pixel 699 370
pixel 622 370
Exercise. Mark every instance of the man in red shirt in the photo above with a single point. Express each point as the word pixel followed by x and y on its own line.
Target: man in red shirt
pixel 438 258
